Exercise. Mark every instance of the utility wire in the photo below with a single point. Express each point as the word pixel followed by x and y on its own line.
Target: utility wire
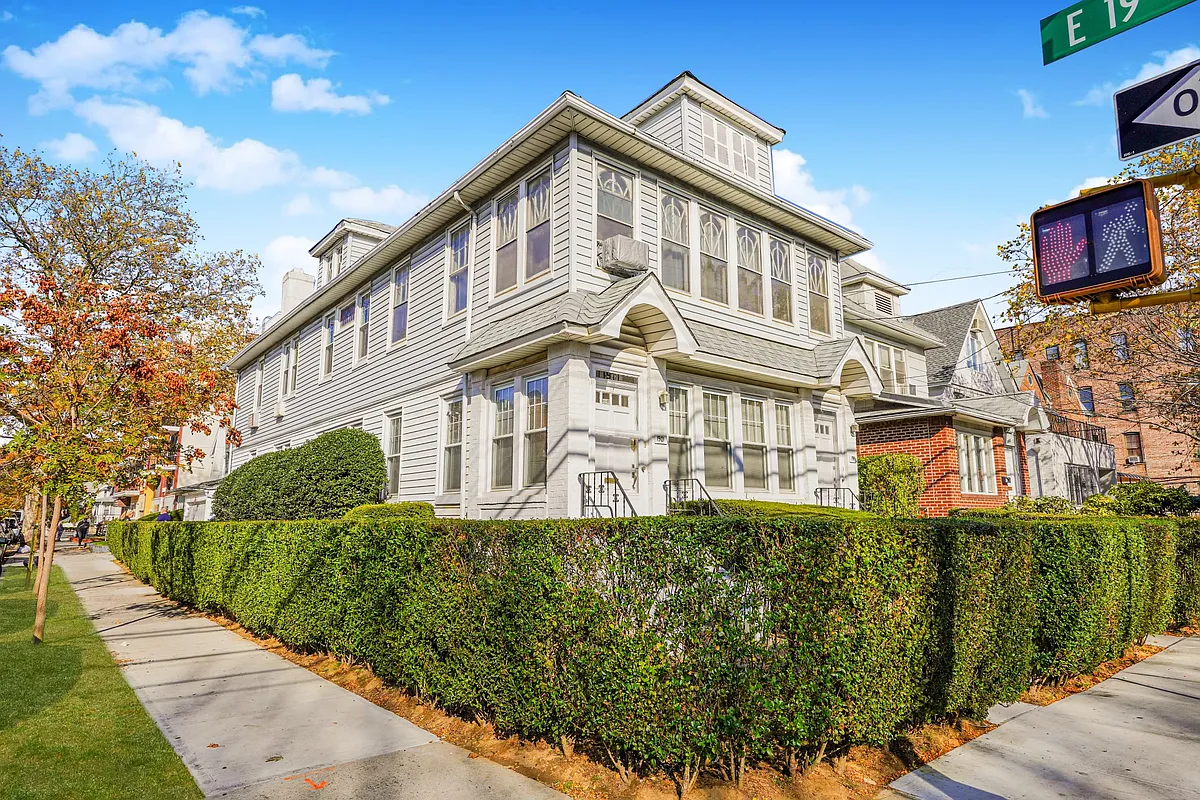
pixel 960 278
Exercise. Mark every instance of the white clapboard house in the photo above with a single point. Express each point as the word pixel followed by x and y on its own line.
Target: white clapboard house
pixel 601 310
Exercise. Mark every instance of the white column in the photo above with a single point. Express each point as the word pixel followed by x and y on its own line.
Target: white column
pixel 569 434
pixel 656 429
pixel 808 447
pixel 475 450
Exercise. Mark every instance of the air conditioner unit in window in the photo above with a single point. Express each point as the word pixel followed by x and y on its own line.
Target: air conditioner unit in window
pixel 280 408
pixel 1133 460
pixel 253 419
pixel 624 257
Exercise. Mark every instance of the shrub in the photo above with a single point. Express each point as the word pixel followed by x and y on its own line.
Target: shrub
pixel 322 479
pixel 891 485
pixel 1099 505
pixel 765 508
pixel 1187 592
pixel 388 511
pixel 1149 499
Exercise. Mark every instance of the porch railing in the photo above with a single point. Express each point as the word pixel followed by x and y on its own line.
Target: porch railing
pixel 837 497
pixel 688 496
pixel 604 496
pixel 1076 429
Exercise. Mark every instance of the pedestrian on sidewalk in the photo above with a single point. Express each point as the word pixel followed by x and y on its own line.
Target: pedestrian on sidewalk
pixel 81 530
pixel 164 516
pixel 58 533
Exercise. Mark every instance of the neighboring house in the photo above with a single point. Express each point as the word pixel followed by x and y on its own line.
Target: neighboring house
pixel 1101 388
pixel 601 307
pixel 950 400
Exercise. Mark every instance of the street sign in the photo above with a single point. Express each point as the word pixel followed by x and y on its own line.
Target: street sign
pixel 1088 22
pixel 1101 242
pixel 1158 112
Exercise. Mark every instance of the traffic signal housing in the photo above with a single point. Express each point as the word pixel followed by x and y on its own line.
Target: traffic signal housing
pixel 1107 240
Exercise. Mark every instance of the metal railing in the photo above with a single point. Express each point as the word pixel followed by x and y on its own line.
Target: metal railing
pixel 603 496
pixel 837 497
pixel 1076 429
pixel 688 496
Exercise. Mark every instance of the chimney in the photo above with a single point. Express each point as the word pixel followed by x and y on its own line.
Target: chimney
pixel 297 285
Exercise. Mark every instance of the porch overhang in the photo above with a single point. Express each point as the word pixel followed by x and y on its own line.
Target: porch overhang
pixel 852 372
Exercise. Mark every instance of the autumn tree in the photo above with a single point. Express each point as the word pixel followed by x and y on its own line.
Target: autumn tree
pixel 113 323
pixel 1156 350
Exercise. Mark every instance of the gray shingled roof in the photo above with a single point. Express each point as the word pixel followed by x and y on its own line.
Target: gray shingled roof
pixel 951 325
pixel 383 227
pixel 856 311
pixel 573 308
pixel 819 363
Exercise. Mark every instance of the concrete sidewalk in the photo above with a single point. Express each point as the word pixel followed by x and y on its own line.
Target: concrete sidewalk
pixel 1135 735
pixel 250 724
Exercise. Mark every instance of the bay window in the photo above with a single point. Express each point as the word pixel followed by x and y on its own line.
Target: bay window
pixel 749 266
pixel 976 464
pixel 679 449
pixel 785 448
pixel 506 241
pixel 819 309
pixel 718 471
pixel 536 423
pixel 537 225
pixel 399 303
pixel 674 246
pixel 452 452
pixel 504 411
pixel 614 203
pixel 459 278
pixel 754 444
pixel 714 255
pixel 781 281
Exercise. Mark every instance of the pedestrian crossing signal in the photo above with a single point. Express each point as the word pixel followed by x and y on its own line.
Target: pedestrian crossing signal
pixel 1102 242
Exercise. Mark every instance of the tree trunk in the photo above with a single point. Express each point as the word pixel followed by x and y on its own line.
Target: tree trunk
pixel 32 528
pixel 43 582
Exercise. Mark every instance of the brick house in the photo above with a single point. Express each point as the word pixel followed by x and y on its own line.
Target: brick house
pixel 983 433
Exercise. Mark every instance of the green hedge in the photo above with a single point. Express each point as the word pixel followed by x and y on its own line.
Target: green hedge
pixel 390 511
pixel 671 640
pixel 891 484
pixel 1187 592
pixel 768 508
pixel 322 479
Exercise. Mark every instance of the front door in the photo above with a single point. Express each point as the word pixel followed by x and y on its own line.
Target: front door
pixel 616 430
pixel 827 450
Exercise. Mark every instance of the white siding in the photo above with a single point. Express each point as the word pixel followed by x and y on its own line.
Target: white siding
pixel 667 125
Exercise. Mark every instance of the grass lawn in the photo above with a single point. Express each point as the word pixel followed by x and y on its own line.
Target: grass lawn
pixel 69 724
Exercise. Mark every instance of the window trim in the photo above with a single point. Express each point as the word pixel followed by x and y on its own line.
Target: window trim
pixel 688 437
pixel 729 441
pixel 689 204
pixel 762 269
pixel 329 345
pixel 809 292
pixel 405 265
pixel 763 446
pixel 603 161
pixel 1091 401
pixel 359 323
pixel 750 161
pixel 990 476
pixel 288 366
pixel 521 186
pixel 788 246
pixel 511 384
pixel 260 374
pixel 787 408
pixel 526 430
pixel 444 441
pixel 448 312
pixel 729 303
pixel 385 436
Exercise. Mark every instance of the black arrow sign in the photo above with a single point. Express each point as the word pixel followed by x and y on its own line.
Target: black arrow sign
pixel 1180 106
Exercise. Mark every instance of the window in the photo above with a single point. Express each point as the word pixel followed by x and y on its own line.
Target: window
pixel 399 304
pixel 976 464
pixel 506 241
pixel 362 337
pixel 976 351
pixel 679 452
pixel 288 367
pixel 754 444
pixel 717 451
pixel 1080 349
pixel 818 294
pixel 1052 353
pixel 1082 483
pixel 258 383
pixel 1125 393
pixel 675 249
pixel 452 455
pixel 1120 347
pixel 1187 341
pixel 749 263
pixel 1018 355
pixel 784 447
pixel 892 366
pixel 1086 400
pixel 537 225
pixel 346 316
pixel 536 422
pixel 502 437
pixel 781 281
pixel 728 146
pixel 393 430
pixel 714 257
pixel 327 347
pixel 460 259
pixel 335 260
pixel 614 203
pixel 1133 446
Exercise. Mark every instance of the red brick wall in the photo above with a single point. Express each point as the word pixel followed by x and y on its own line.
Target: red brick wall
pixel 934 441
pixel 1023 463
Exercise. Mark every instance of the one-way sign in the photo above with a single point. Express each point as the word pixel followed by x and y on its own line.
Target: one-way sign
pixel 1158 112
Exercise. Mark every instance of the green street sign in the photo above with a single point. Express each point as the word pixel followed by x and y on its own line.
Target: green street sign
pixel 1087 22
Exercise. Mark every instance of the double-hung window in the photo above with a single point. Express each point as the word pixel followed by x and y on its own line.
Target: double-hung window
pixel 749 264
pixel 1133 446
pixel 452 451
pixel 679 450
pixel 537 225
pixel 614 203
pixel 976 351
pixel 507 226
pixel 399 303
pixel 362 336
pixel 714 257
pixel 754 444
pixel 1087 400
pixel 259 378
pixel 785 448
pixel 1081 354
pixel 781 281
pixel 287 369
pixel 504 410
pixel 537 421
pixel 459 278
pixel 328 334
pixel 1052 352
pixel 674 247
pixel 892 366
pixel 819 318
pixel 1120 347
pixel 728 146
pixel 976 464
pixel 718 471
pixel 1126 394
pixel 393 431
pixel 293 377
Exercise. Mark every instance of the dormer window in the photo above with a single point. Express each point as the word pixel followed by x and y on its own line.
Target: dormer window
pixel 729 147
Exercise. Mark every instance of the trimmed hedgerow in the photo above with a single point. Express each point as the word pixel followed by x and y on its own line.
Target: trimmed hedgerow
pixel 891 484
pixel 674 641
pixel 769 508
pixel 322 479
pixel 389 511
pixel 1187 591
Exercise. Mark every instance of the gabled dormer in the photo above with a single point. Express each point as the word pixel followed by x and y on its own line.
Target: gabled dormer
pixel 350 240
pixel 699 121
pixel 876 293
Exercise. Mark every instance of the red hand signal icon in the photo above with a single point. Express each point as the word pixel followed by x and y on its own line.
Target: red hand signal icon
pixel 1059 251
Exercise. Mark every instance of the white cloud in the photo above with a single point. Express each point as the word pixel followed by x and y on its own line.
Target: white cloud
pixel 72 147
pixel 389 203
pixel 870 260
pixel 1166 60
pixel 794 182
pixel 253 12
pixel 6 16
pixel 299 206
pixel 279 255
pixel 1088 183
pixel 1030 108
pixel 215 52
pixel 325 178
pixel 292 93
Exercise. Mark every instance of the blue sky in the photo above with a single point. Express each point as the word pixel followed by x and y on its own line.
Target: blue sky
pixel 932 128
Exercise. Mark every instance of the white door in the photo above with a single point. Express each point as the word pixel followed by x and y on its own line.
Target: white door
pixel 827 450
pixel 616 431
